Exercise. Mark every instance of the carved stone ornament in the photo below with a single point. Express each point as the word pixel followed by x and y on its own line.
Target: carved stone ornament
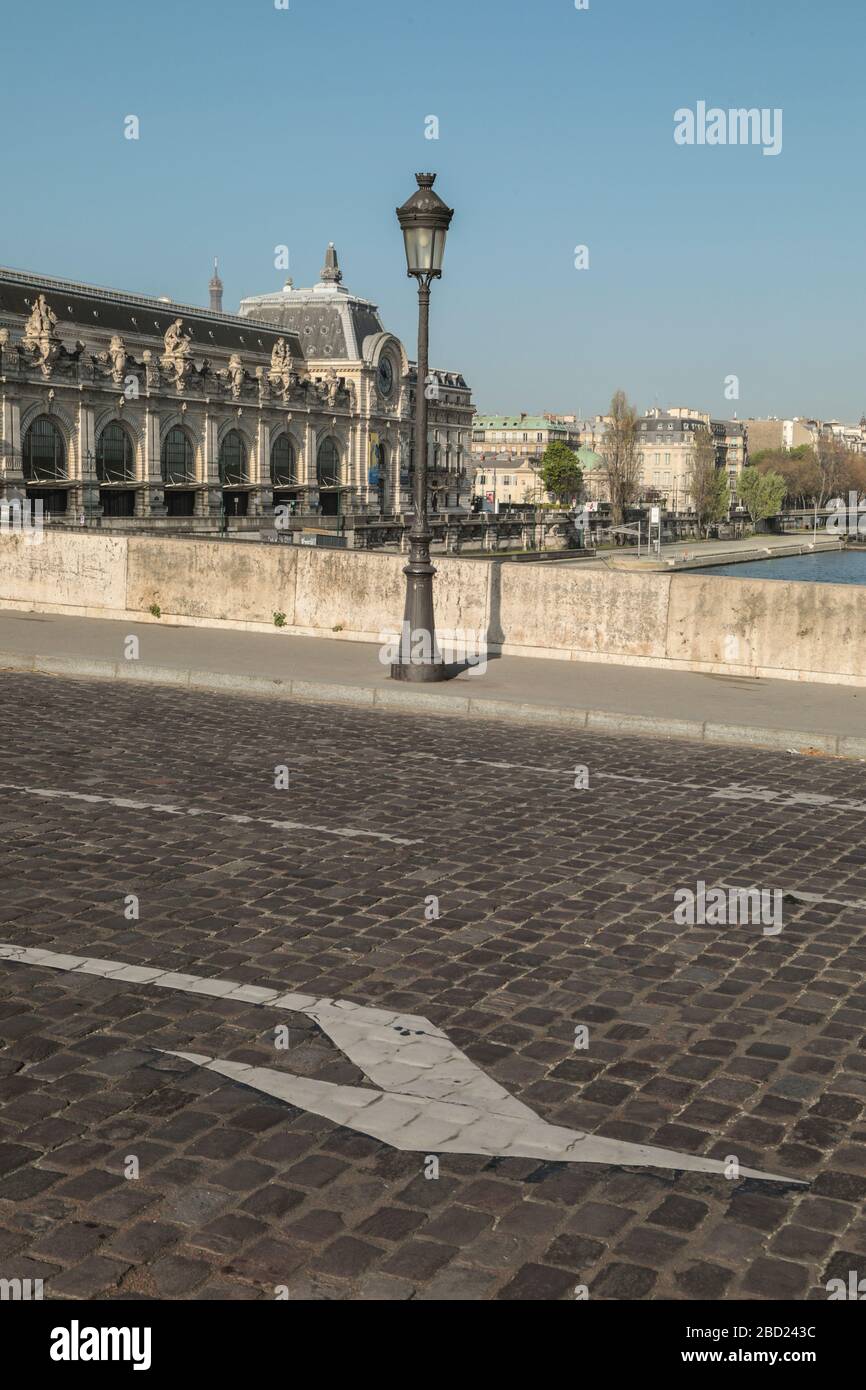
pixel 236 375
pixel 117 357
pixel 331 390
pixel 41 337
pixel 281 359
pixel 176 359
pixel 151 369
pixel 177 343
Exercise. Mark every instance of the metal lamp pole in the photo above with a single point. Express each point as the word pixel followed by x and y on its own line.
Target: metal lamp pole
pixel 425 220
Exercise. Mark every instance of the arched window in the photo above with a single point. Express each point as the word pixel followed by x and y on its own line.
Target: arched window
pixel 283 464
pixel 328 464
pixel 233 460
pixel 44 452
pixel 178 464
pixel 115 457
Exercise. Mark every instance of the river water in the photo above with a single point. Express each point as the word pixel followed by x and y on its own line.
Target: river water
pixel 828 567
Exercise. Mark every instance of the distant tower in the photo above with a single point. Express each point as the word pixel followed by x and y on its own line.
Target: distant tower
pixel 331 272
pixel 216 290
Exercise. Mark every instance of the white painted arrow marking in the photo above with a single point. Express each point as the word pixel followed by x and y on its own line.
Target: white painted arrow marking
pixel 426 1095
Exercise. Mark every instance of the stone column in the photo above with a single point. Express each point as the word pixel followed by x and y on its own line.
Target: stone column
pixel 11 463
pixel 258 471
pixel 358 472
pixel 210 495
pixel 309 474
pixel 391 448
pixel 84 496
pixel 151 497
pixel 365 495
pixel 402 456
pixel 349 465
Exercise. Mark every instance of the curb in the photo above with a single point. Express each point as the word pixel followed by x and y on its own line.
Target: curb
pixel 411 701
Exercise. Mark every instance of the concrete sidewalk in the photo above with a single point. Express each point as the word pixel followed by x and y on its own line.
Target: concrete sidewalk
pixel 695 555
pixel 606 698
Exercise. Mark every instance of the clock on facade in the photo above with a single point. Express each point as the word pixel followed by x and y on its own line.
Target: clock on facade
pixel 385 376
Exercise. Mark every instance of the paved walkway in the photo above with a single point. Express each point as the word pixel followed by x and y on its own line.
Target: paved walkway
pixel 692 554
pixel 424 1020
pixel 612 699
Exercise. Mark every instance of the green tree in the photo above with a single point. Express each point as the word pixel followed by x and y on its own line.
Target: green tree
pixel 799 468
pixel 561 473
pixel 761 493
pixel 708 485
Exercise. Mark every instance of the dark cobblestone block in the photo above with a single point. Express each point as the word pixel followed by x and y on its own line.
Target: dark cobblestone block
pixel 538 1283
pixel 651 1245
pixel 847 1187
pixel 623 1281
pixel 392 1223
pixel 420 1259
pixel 176 1276
pixel 347 1257
pixel 457 1226
pixel 316 1226
pixel 88 1279
pixel 69 1244
pixel 678 1214
pixel 574 1252
pixel 776 1279
pixel 599 1219
pixel 704 1281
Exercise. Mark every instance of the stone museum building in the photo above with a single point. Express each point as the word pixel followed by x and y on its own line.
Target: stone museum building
pixel 116 405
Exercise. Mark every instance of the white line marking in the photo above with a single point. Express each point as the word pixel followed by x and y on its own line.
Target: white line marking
pixel 127 803
pixel 799 895
pixel 803 897
pixel 780 799
pixel 426 1096
pixel 786 800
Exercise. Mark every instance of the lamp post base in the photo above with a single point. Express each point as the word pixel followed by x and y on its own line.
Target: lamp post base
pixel 419 673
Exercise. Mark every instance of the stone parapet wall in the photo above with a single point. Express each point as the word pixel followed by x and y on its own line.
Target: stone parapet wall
pixel 751 627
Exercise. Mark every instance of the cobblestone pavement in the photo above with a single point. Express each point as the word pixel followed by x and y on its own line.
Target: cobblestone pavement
pixel 556 910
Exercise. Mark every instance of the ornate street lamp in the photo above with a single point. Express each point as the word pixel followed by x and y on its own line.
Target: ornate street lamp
pixel 425 220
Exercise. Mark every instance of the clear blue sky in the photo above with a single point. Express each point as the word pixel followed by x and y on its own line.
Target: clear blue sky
pixel 262 126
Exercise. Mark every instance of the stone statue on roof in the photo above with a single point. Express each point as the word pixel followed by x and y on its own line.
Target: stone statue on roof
pixel 177 343
pixel 117 358
pixel 40 335
pixel 236 374
pixel 281 358
pixel 331 387
pixel 176 357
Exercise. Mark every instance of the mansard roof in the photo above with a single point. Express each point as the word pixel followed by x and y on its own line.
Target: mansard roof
pixel 81 307
pixel 521 422
pixel 328 320
pixel 455 380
